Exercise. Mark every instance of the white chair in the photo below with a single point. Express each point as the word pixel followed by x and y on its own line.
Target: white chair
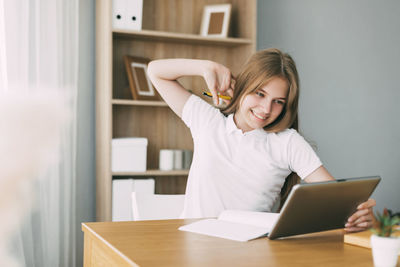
pixel 149 206
pixel 121 196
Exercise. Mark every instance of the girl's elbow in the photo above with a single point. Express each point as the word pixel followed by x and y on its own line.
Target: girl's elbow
pixel 150 70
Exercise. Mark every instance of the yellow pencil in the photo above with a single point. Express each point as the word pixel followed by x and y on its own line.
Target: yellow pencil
pixel 220 96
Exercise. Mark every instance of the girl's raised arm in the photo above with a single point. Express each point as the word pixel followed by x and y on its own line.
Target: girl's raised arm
pixel 165 72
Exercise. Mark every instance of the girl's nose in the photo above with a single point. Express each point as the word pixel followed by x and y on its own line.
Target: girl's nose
pixel 266 106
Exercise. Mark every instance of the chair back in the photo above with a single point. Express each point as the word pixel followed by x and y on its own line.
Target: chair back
pixel 147 206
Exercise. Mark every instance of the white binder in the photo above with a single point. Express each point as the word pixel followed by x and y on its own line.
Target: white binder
pixel 119 13
pixel 127 14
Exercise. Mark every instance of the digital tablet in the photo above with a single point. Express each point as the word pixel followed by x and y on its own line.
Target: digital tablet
pixel 315 207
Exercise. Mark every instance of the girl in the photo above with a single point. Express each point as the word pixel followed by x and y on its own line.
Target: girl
pixel 243 152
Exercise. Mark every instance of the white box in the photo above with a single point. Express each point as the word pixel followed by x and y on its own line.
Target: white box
pixel 129 154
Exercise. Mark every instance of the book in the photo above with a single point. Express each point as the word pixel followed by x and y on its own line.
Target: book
pixel 235 225
pixel 361 239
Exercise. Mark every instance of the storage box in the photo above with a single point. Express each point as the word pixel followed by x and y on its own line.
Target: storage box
pixel 128 154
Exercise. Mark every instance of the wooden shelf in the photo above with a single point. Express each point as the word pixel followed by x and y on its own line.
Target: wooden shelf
pixel 138 103
pixel 172 33
pixel 148 35
pixel 153 173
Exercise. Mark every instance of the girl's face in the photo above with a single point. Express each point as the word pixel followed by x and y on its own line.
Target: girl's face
pixel 262 107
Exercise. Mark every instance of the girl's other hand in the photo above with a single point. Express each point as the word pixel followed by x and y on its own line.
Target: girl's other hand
pixel 219 79
pixel 363 218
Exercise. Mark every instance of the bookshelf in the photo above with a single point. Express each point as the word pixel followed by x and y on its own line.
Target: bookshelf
pixel 170 30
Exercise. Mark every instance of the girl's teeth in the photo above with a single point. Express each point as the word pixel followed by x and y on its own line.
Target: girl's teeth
pixel 258 116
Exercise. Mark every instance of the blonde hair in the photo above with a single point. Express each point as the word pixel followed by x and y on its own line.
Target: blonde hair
pixel 257 72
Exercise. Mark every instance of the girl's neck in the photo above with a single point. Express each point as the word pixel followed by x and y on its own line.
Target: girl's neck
pixel 240 124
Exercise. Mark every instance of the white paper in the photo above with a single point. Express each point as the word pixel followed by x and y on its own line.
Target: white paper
pixel 235 225
pixel 255 218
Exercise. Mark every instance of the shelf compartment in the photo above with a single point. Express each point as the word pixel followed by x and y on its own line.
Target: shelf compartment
pixel 153 173
pixel 148 35
pixel 128 102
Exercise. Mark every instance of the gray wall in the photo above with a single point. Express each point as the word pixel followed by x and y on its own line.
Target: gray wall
pixel 86 186
pixel 347 54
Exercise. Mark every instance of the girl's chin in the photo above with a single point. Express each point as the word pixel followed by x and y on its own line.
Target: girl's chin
pixel 258 125
pixel 255 123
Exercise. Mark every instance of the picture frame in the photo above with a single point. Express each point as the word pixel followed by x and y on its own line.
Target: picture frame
pixel 215 21
pixel 139 82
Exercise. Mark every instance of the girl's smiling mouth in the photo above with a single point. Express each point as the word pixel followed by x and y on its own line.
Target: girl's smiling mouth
pixel 258 116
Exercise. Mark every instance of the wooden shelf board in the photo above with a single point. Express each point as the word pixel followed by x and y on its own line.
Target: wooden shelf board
pixel 153 173
pixel 148 35
pixel 138 103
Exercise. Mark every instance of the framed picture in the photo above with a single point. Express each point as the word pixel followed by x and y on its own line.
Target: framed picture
pixel 139 82
pixel 215 21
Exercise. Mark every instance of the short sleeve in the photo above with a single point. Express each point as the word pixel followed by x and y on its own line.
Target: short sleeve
pixel 302 158
pixel 197 114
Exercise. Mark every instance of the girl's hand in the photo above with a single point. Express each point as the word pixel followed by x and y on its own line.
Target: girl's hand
pixel 219 79
pixel 363 218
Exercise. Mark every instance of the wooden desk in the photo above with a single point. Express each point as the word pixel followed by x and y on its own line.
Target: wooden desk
pixel 160 243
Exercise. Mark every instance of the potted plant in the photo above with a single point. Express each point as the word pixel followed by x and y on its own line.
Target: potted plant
pixel 385 246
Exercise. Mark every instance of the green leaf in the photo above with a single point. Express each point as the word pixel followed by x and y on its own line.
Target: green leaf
pixel 385 223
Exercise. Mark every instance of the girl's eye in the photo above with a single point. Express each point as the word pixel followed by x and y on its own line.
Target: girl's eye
pixel 260 94
pixel 280 102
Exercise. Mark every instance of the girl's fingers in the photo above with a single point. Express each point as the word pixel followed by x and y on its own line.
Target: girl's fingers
pixel 223 88
pixel 367 204
pixel 360 226
pixel 214 93
pixel 219 80
pixel 229 92
pixel 226 83
pixel 364 218
pixel 358 214
pixel 363 209
pixel 226 101
pixel 364 225
pixel 354 229
pixel 215 99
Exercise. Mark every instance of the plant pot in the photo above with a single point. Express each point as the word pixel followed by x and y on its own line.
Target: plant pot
pixel 385 250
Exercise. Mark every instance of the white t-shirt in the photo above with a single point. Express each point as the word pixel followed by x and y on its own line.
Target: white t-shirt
pixel 236 170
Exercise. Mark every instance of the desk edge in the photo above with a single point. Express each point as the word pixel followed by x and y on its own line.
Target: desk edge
pixel 87 230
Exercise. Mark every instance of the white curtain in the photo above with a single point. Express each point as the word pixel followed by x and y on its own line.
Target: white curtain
pixel 39 50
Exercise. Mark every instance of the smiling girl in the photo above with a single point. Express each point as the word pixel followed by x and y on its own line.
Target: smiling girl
pixel 245 153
